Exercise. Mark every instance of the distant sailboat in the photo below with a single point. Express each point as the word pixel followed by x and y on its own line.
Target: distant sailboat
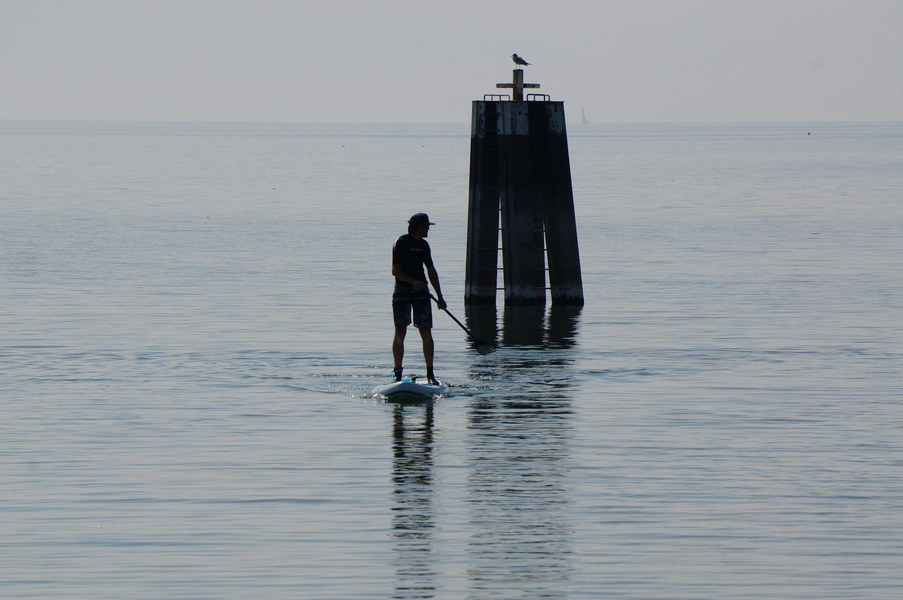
pixel 583 115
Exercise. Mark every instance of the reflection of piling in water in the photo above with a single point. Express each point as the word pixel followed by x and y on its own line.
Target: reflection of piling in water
pixel 518 446
pixel 562 325
pixel 520 186
pixel 521 541
pixel 524 325
pixel 553 327
pixel 482 319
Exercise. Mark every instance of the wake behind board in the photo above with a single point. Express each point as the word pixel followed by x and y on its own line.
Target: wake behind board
pixel 408 390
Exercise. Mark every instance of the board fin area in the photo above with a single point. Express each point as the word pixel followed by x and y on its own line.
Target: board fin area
pixel 410 389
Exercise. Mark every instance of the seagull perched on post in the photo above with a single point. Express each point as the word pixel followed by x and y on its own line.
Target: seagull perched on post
pixel 518 60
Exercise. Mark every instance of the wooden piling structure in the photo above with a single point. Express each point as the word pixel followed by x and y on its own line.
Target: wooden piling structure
pixel 520 187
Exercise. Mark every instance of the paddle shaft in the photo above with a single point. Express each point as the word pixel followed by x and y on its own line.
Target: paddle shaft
pixel 460 324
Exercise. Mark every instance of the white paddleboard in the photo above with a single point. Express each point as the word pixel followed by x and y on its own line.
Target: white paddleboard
pixel 408 389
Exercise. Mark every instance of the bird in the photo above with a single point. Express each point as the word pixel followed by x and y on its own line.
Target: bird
pixel 518 60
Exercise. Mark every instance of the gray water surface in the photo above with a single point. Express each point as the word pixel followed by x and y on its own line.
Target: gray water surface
pixel 194 315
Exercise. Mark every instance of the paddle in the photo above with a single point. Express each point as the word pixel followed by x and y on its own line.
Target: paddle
pixel 481 346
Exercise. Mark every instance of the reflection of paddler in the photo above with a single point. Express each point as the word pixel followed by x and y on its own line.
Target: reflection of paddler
pixel 413 513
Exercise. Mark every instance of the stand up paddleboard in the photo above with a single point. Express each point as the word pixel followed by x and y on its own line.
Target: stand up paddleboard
pixel 409 390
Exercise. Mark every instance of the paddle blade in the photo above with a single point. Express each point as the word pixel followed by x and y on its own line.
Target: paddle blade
pixel 484 348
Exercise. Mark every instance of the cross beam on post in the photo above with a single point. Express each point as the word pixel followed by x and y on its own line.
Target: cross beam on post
pixel 518 85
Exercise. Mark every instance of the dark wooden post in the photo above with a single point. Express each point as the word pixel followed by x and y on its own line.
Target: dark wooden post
pixel 481 278
pixel 521 209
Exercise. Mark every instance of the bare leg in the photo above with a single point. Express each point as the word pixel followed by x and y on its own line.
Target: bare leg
pixel 398 346
pixel 426 335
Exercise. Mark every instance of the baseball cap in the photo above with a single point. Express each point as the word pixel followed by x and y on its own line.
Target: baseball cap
pixel 420 219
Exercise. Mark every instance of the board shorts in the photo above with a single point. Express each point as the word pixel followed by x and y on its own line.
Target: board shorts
pixel 407 300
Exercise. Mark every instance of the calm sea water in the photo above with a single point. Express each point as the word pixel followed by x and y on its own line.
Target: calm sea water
pixel 193 316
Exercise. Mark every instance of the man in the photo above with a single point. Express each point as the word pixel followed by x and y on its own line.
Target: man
pixel 410 254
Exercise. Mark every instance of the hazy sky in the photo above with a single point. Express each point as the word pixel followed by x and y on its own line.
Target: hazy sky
pixel 424 61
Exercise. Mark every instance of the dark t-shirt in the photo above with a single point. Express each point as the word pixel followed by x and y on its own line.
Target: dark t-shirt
pixel 412 255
